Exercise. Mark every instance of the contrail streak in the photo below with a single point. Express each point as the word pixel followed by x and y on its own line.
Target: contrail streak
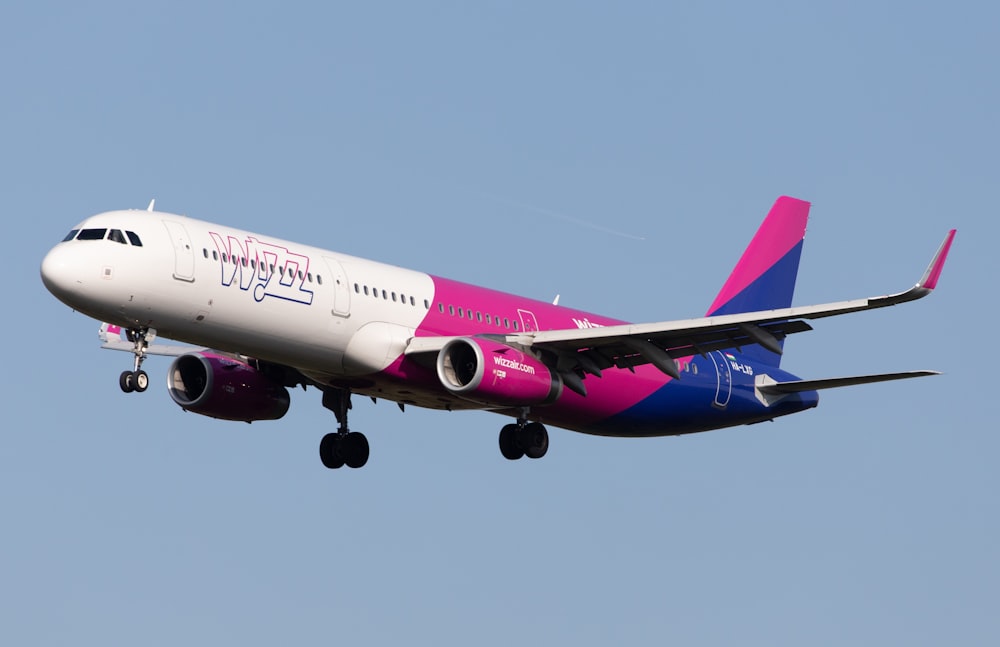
pixel 563 217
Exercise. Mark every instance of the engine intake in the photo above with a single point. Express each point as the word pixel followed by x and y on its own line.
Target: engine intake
pixel 222 387
pixel 495 374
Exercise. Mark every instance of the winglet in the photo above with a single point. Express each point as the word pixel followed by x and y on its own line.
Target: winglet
pixel 927 282
pixel 930 278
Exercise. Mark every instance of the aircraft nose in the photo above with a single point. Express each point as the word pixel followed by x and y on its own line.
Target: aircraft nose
pixel 60 273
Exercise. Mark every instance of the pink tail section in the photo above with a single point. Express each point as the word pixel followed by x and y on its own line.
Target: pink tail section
pixel 780 234
pixel 764 277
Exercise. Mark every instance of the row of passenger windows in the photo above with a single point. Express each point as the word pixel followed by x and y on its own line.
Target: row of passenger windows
pixel 114 235
pixel 480 317
pixel 253 264
pixel 389 295
pixel 117 236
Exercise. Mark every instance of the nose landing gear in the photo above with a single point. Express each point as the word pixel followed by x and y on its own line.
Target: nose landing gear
pixel 137 380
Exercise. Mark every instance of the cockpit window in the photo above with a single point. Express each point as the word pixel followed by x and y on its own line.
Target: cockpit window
pixel 134 237
pixel 71 235
pixel 116 236
pixel 92 234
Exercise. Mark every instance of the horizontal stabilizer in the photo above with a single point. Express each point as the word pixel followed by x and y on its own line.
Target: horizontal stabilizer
pixel 769 391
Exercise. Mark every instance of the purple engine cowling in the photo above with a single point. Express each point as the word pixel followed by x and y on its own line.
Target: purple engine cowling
pixel 225 388
pixel 495 374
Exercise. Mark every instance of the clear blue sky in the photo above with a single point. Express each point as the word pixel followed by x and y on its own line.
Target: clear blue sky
pixel 499 143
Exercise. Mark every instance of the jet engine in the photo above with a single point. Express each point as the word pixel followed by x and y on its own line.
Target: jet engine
pixel 226 388
pixel 495 374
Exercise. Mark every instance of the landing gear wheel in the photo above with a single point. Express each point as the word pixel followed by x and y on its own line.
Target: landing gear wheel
pixel 329 451
pixel 127 381
pixel 136 379
pixel 508 443
pixel 354 447
pixel 344 447
pixel 534 438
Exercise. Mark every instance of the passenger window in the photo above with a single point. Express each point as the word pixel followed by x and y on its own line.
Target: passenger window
pixel 71 235
pixel 92 234
pixel 515 324
pixel 204 250
pixel 451 310
pixel 366 290
pixel 319 279
pixel 385 295
pixel 413 301
pixel 393 297
pixel 215 255
pixel 461 314
pixel 506 322
pixel 479 316
pixel 134 238
pixel 357 289
pixel 440 307
pixel 488 318
pixel 309 275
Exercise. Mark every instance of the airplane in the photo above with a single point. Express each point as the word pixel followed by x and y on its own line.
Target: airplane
pixel 264 315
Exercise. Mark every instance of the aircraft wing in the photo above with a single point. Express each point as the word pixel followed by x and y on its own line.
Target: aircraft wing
pixel 111 339
pixel 594 349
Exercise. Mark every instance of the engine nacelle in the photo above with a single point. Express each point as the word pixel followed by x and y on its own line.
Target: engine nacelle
pixel 222 387
pixel 494 374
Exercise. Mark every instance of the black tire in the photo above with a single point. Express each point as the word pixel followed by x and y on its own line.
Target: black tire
pixel 354 448
pixel 508 443
pixel 534 438
pixel 127 381
pixel 329 451
pixel 141 381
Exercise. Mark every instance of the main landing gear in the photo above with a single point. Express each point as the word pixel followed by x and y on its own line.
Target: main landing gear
pixel 344 447
pixel 525 438
pixel 136 379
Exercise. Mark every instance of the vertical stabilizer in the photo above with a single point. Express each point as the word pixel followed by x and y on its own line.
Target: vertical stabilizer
pixel 764 277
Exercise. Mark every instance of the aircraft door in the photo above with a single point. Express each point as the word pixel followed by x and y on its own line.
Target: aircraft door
pixel 528 322
pixel 724 388
pixel 183 254
pixel 341 292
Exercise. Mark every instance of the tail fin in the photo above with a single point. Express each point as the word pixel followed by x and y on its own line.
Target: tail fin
pixel 764 277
